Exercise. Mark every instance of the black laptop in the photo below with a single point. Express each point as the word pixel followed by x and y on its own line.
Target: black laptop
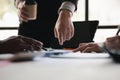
pixel 84 32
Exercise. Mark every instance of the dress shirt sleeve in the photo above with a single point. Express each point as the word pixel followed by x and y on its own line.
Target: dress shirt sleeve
pixel 68 6
pixel 72 1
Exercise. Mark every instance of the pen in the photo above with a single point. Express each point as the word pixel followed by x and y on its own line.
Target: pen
pixel 118 31
pixel 44 48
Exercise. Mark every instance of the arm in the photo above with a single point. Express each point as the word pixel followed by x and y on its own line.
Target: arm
pixel 88 48
pixel 16 44
pixel 64 28
pixel 112 44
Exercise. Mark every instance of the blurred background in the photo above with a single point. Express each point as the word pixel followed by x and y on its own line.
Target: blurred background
pixel 106 11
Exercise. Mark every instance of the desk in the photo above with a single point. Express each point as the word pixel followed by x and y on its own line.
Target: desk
pixel 80 68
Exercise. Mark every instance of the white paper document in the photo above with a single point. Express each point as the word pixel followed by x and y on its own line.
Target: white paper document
pixel 56 53
pixel 70 54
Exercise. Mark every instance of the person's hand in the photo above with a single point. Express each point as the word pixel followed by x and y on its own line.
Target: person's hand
pixel 113 43
pixel 22 11
pixel 64 29
pixel 88 47
pixel 16 44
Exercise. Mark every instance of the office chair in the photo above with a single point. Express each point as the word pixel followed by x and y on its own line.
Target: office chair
pixel 84 32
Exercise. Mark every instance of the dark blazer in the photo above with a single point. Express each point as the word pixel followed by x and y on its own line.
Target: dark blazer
pixel 42 28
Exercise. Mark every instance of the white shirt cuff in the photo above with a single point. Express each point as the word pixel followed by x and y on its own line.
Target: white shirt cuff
pixel 101 45
pixel 68 6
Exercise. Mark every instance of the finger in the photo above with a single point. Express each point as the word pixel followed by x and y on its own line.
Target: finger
pixel 25 11
pixel 21 45
pixel 24 16
pixel 20 5
pixel 22 9
pixel 33 41
pixel 80 48
pixel 60 38
pixel 110 39
pixel 36 47
pixel 72 32
pixel 68 35
pixel 55 33
pixel 76 50
pixel 92 49
pixel 9 38
pixel 88 50
pixel 81 44
pixel 26 48
pixel 64 35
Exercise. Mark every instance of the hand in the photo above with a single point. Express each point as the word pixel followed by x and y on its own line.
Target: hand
pixel 64 29
pixel 113 43
pixel 16 44
pixel 88 47
pixel 22 11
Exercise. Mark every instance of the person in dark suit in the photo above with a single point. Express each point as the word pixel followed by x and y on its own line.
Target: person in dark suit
pixel 53 21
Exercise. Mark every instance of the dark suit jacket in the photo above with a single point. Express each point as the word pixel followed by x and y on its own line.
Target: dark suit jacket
pixel 42 28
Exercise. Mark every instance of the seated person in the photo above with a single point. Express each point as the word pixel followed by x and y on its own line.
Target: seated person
pixel 19 43
pixel 111 43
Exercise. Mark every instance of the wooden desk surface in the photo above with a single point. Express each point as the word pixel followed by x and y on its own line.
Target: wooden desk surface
pixel 85 67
